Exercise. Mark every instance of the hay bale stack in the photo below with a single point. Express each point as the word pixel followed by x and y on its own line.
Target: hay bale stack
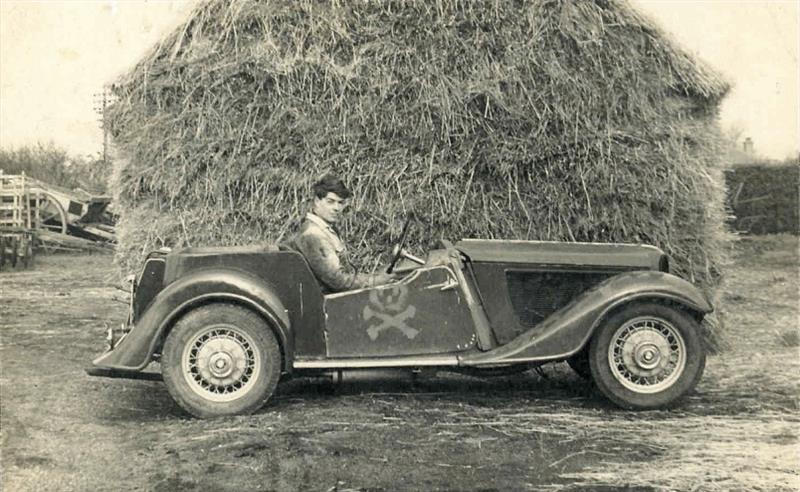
pixel 543 119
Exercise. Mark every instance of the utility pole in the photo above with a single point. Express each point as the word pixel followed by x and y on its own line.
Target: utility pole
pixel 101 102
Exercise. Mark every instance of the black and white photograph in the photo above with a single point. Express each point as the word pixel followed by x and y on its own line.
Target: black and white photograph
pixel 400 245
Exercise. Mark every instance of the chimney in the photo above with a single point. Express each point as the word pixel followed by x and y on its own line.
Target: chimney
pixel 747 146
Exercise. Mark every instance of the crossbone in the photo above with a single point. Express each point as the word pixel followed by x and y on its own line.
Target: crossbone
pixel 391 321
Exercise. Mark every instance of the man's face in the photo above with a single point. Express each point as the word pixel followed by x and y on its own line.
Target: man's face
pixel 329 207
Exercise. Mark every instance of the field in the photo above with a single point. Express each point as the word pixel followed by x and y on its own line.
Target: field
pixel 62 430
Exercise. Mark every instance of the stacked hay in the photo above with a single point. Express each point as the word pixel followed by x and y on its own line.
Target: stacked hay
pixel 544 119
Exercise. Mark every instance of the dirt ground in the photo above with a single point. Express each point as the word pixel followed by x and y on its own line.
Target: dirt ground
pixel 63 430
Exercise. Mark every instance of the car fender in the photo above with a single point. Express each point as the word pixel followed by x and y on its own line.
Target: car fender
pixel 568 330
pixel 135 350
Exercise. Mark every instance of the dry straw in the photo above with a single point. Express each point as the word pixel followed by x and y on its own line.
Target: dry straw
pixel 549 119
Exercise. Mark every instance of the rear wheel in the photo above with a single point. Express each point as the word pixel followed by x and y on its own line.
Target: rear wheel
pixel 647 356
pixel 220 360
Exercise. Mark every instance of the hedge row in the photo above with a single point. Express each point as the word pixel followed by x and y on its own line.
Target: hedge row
pixel 764 199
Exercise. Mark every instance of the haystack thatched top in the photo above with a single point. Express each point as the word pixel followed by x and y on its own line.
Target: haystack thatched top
pixel 247 26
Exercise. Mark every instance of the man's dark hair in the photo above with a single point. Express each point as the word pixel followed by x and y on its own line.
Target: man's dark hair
pixel 331 184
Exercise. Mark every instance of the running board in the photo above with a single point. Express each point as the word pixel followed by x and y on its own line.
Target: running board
pixel 364 362
pixel 104 372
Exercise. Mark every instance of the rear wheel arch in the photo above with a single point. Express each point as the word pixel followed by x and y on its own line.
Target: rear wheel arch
pixel 281 333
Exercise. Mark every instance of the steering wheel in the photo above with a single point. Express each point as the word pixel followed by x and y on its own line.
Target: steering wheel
pixel 397 250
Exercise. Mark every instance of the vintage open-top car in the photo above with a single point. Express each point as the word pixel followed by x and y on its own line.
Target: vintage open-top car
pixel 227 323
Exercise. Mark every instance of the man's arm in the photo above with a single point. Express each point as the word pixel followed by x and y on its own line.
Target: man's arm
pixel 327 266
pixel 324 262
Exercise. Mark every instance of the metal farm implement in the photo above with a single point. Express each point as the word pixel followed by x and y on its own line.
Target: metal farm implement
pixel 56 218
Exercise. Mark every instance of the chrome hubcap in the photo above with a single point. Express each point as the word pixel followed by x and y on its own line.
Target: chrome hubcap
pixel 647 355
pixel 221 363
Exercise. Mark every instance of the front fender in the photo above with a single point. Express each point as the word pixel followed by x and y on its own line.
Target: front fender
pixel 567 330
pixel 135 350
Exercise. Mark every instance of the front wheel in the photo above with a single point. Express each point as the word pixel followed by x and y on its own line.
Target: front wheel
pixel 647 356
pixel 220 360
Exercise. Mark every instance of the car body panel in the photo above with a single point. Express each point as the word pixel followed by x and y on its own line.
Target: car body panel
pixel 519 297
pixel 567 331
pixel 424 313
pixel 631 256
pixel 521 283
pixel 148 285
pixel 463 309
pixel 286 272
pixel 200 287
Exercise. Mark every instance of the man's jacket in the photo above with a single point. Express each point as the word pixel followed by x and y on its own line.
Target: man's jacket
pixel 327 256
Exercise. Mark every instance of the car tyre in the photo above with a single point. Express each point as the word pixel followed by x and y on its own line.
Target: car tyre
pixel 220 360
pixel 647 356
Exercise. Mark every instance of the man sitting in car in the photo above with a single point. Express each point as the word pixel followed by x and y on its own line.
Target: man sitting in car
pixel 321 245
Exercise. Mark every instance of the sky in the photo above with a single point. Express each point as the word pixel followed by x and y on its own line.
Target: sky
pixel 55 55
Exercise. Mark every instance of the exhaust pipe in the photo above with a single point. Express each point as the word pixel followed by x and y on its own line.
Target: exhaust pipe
pixel 345 376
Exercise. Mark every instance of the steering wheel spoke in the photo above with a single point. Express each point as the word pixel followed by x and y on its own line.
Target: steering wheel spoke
pixel 398 251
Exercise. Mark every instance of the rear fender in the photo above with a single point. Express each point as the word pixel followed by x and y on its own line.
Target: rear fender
pixel 568 330
pixel 136 349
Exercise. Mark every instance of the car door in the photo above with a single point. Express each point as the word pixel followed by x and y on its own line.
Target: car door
pixel 424 313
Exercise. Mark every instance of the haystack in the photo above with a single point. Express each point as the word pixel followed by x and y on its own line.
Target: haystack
pixel 564 120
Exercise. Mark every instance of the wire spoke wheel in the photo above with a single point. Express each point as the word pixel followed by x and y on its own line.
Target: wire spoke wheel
pixel 647 355
pixel 221 363
pixel 221 359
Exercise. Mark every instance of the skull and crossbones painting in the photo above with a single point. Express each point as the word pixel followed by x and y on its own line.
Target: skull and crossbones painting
pixel 389 309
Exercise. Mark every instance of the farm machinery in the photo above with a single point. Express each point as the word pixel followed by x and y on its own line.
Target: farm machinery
pixel 33 212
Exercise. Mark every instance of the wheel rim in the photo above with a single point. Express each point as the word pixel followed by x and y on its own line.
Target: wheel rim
pixel 647 355
pixel 51 215
pixel 221 363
